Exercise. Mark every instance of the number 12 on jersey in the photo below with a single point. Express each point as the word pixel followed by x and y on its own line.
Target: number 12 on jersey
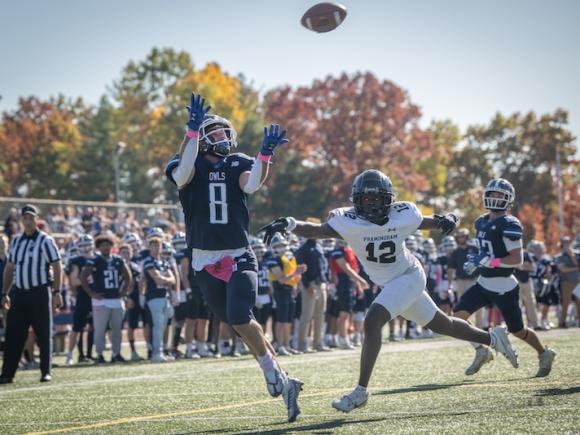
pixel 218 206
pixel 386 252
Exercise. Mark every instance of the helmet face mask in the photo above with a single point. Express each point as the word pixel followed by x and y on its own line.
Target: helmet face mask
pixel 217 136
pixel 372 196
pixel 133 240
pixel 499 195
pixel 279 245
pixel 178 241
pixel 85 245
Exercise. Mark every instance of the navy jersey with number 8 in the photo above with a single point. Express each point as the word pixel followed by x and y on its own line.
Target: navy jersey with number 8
pixel 213 197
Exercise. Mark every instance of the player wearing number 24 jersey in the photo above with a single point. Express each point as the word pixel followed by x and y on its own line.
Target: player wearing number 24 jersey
pixel 376 228
pixel 213 187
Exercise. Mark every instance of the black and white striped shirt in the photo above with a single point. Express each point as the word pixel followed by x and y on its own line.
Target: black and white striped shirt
pixel 31 257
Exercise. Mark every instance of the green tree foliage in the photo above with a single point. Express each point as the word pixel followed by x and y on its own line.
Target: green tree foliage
pixel 521 148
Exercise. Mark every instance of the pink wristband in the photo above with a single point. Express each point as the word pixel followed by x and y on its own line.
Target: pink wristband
pixel 192 133
pixel 261 157
pixel 495 262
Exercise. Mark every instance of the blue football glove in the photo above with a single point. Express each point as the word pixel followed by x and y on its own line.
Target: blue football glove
pixel 474 261
pixel 196 111
pixel 273 138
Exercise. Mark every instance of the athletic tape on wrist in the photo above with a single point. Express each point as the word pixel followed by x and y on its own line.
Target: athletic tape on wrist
pixel 261 157
pixel 192 133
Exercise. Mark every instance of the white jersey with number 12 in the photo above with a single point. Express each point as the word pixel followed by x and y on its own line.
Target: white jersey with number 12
pixel 380 248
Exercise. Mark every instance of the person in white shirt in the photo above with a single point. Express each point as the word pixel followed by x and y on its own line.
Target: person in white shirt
pixel 376 228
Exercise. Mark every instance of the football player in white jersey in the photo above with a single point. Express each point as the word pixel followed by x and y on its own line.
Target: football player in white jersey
pixel 376 228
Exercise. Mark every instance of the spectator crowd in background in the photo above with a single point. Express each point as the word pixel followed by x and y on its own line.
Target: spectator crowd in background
pixel 309 299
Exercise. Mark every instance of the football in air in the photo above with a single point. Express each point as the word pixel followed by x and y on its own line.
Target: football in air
pixel 323 17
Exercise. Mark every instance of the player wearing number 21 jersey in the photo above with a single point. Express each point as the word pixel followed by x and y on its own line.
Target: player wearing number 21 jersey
pixel 376 229
pixel 214 184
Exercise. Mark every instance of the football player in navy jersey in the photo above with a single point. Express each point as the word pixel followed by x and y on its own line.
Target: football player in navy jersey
pixel 83 309
pixel 445 297
pixel 499 237
pixel 111 280
pixel 263 305
pixel 133 307
pixel 160 279
pixel 214 184
pixel 545 296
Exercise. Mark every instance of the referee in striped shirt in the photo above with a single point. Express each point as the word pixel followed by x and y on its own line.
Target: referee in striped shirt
pixel 31 290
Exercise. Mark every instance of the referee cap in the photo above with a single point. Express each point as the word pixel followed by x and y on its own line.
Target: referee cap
pixel 29 209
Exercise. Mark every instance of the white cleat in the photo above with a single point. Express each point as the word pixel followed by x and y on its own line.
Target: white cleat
pixel 159 359
pixel 282 351
pixel 503 345
pixel 355 399
pixel 546 359
pixel 483 355
pixel 290 395
pixel 344 343
pixel 69 361
pixel 275 381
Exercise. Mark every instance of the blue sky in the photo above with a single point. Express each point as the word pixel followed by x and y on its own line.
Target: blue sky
pixel 458 59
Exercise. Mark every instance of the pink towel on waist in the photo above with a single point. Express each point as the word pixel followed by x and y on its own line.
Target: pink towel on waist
pixel 223 269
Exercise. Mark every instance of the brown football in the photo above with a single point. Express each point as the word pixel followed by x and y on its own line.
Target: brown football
pixel 323 17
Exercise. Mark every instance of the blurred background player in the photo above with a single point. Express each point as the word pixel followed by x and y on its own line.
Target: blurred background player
pixel 159 280
pixel 459 280
pixel 344 265
pixel 285 274
pixel 111 281
pixel 263 306
pixel 82 314
pixel 313 295
pixel 133 311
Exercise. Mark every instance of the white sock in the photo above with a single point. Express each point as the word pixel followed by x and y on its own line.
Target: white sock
pixel 361 388
pixel 69 355
pixel 266 362
pixel 189 348
pixel 492 339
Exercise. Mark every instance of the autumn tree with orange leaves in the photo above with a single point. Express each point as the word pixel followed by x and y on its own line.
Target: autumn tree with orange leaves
pixel 339 127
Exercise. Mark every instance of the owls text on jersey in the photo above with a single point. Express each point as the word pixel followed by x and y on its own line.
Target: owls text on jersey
pixel 380 248
pixel 214 205
pixel 498 237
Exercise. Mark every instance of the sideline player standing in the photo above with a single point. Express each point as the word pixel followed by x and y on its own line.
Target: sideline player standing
pixel 376 228
pixel 213 187
pixel 499 236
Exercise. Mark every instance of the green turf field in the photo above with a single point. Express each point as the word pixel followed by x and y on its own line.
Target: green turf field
pixel 418 386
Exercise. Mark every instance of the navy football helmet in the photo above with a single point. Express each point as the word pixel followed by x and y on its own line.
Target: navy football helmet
pixel 217 136
pixel 279 245
pixel 502 186
pixel 372 196
pixel 178 241
pixel 85 244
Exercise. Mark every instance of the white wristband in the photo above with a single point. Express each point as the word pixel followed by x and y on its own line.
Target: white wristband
pixel 291 223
